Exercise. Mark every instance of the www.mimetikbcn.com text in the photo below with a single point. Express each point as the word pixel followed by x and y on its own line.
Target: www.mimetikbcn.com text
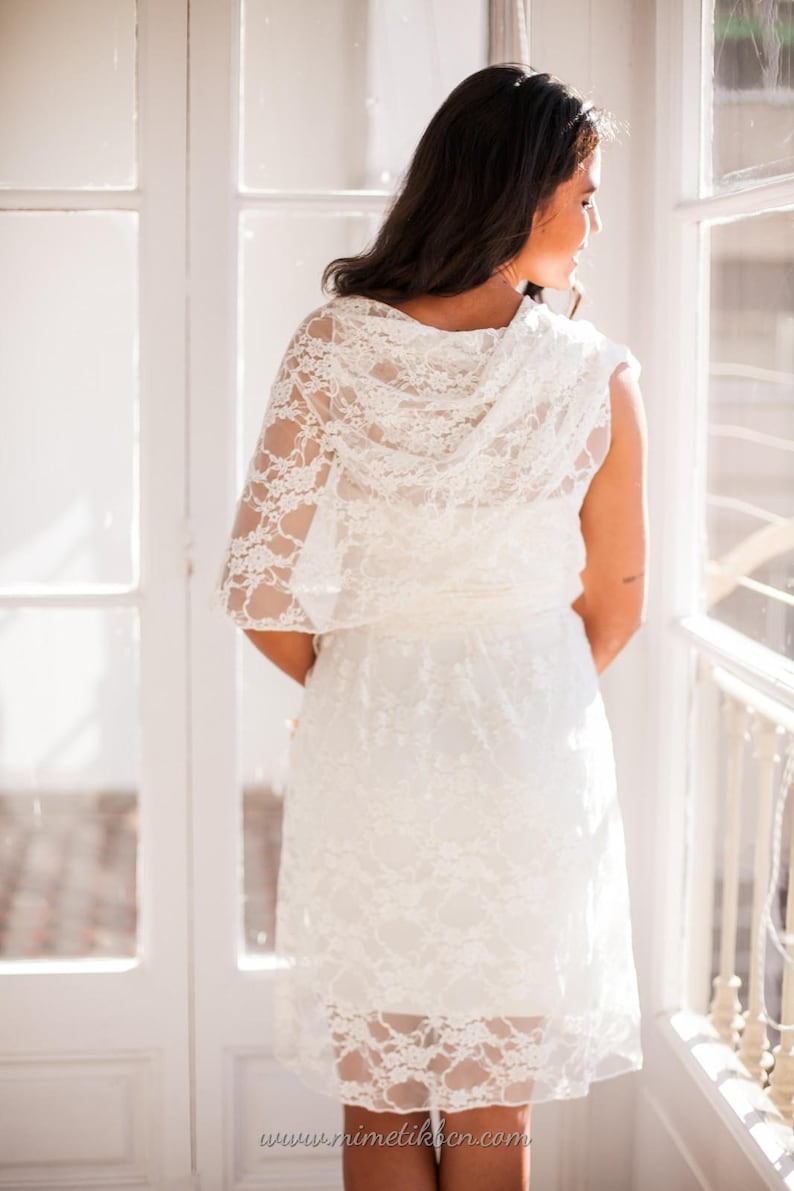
pixel 406 1135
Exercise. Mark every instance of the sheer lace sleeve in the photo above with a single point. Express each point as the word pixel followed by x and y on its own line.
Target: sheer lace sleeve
pixel 262 584
pixel 612 355
pixel 617 354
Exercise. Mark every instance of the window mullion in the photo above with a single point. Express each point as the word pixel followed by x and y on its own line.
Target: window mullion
pixel 750 200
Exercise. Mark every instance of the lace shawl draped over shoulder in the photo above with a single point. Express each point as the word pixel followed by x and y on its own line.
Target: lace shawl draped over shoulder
pixel 396 462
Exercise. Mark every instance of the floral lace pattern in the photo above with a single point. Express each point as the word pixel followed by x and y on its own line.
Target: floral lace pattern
pixel 393 459
pixel 453 901
pixel 453 910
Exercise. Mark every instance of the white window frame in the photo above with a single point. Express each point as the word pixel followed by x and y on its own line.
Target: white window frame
pixel 683 827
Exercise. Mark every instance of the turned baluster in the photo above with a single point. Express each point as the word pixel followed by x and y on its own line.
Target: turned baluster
pixel 726 1009
pixel 754 1049
pixel 781 1082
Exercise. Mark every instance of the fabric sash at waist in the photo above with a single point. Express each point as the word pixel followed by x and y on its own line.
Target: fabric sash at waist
pixel 452 609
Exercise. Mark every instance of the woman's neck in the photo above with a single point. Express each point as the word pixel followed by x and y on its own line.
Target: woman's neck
pixel 490 305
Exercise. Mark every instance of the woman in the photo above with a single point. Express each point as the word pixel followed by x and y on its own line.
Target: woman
pixel 443 536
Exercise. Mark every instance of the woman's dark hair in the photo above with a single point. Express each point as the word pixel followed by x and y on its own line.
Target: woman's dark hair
pixel 492 155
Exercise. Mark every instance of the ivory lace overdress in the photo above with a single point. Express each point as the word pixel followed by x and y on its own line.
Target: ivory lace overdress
pixel 453 906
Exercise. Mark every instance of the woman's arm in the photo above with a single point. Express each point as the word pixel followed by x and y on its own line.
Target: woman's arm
pixel 614 520
pixel 292 652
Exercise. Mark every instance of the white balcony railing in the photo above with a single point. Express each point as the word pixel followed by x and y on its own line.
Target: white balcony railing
pixel 757 735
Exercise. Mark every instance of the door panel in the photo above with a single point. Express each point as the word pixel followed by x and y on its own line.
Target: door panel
pixel 94 948
pixel 325 125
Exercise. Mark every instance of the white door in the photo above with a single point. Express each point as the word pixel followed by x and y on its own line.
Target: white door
pixel 303 115
pixel 173 181
pixel 94 939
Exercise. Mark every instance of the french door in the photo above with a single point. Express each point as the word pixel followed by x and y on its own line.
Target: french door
pixel 95 945
pixel 301 122
pixel 174 178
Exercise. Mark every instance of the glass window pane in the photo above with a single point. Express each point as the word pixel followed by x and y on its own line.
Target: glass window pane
pixel 750 504
pixel 269 702
pixel 753 90
pixel 68 783
pixel 715 754
pixel 67 93
pixel 326 102
pixel 68 373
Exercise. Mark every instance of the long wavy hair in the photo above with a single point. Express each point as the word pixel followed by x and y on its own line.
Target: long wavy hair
pixel 492 155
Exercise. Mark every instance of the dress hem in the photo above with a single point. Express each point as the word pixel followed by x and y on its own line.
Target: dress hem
pixel 633 1063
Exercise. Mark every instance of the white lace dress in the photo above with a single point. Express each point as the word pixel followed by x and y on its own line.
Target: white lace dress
pixel 453 908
